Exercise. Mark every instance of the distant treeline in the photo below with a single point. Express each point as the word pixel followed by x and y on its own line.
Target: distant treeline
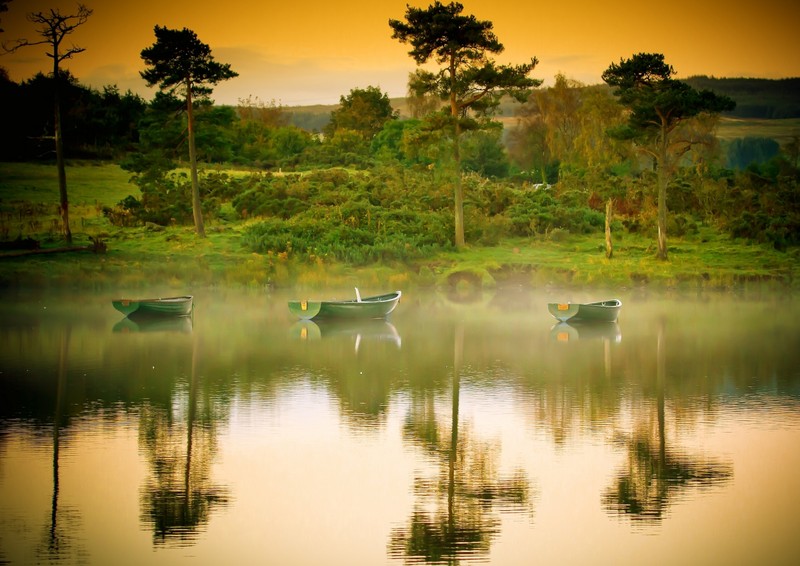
pixel 755 98
pixel 310 118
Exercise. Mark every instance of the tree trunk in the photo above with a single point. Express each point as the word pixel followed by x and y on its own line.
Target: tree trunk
pixel 62 171
pixel 196 209
pixel 459 189
pixel 609 247
pixel 663 179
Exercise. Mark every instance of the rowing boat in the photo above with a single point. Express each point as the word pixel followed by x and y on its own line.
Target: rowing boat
pixel 167 306
pixel 378 306
pixel 604 311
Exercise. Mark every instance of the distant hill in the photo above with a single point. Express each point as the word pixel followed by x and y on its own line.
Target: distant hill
pixel 755 98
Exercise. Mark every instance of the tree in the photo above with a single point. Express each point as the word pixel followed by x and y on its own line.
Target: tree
pixel 421 104
pixel 560 107
pixel 54 27
pixel 599 112
pixel 270 114
pixel 178 62
pixel 469 79
pixel 658 105
pixel 364 110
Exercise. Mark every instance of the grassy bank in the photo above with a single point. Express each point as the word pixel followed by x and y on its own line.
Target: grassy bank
pixel 173 258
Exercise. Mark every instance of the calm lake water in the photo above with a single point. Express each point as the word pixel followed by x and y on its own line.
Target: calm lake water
pixel 452 433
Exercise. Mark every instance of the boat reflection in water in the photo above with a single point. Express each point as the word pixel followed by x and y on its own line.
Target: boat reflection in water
pixel 154 324
pixel 573 331
pixel 376 330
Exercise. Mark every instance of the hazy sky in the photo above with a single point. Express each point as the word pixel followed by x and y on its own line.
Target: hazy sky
pixel 314 51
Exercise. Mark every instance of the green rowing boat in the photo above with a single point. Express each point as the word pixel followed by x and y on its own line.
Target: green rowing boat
pixel 604 311
pixel 378 306
pixel 168 306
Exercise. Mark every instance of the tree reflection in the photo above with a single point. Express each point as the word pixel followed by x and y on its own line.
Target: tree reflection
pixel 453 517
pixel 179 494
pixel 655 474
pixel 58 541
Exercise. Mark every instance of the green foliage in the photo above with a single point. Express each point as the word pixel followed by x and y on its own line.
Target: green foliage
pixel 339 217
pixel 387 215
pixel 166 194
pixel 766 209
pixel 483 153
pixel 400 141
pixel 214 136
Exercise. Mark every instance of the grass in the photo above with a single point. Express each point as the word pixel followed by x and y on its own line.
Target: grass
pixel 174 258
pixel 87 184
pixel 699 262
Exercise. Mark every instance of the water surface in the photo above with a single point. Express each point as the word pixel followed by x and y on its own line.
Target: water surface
pixel 454 432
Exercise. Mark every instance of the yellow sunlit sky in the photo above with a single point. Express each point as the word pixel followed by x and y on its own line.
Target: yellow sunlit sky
pixel 315 51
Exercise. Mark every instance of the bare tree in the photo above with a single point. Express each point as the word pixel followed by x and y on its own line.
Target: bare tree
pixel 53 27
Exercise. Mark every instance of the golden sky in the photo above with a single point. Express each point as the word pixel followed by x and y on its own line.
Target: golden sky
pixel 314 51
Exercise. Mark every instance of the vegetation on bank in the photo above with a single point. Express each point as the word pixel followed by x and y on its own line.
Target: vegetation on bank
pixel 502 250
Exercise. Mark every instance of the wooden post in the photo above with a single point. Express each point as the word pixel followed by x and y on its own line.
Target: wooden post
pixel 609 247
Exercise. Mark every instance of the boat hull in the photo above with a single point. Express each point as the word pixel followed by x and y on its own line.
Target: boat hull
pixel 378 306
pixel 169 306
pixel 601 311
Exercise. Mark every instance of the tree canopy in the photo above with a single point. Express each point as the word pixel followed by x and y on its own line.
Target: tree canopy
pixel 179 62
